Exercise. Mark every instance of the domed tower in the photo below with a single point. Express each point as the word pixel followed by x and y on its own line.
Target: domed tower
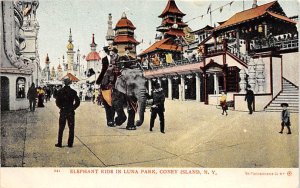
pixel 70 54
pixel 124 38
pixel 93 58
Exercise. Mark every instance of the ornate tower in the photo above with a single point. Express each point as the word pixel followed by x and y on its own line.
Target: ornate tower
pixel 93 58
pixel 70 54
pixel 172 24
pixel 110 32
pixel 124 38
pixel 53 73
pixel 59 74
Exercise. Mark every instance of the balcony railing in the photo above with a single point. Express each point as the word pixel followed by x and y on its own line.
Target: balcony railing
pixel 243 57
pixel 288 44
pixel 151 66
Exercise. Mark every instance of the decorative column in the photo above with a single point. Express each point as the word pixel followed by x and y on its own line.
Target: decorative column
pixel 260 68
pixel 243 82
pixel 216 84
pixel 170 87
pixel 159 81
pixel 251 73
pixel 198 83
pixel 238 40
pixel 182 87
pixel 149 86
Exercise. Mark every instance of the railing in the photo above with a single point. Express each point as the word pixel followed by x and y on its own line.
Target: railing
pixel 185 61
pixel 243 57
pixel 213 49
pixel 288 44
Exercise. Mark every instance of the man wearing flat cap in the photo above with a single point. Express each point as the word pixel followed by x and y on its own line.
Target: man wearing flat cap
pixel 67 101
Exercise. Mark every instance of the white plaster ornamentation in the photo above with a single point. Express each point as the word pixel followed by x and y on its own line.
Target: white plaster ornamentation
pixel 260 68
pixel 243 82
pixel 252 75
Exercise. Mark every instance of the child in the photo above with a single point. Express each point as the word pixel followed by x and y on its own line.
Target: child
pixel 223 103
pixel 285 117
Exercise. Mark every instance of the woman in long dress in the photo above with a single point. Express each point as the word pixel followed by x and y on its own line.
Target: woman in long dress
pixel 41 94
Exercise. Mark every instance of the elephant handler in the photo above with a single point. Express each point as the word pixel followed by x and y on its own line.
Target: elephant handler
pixel 158 107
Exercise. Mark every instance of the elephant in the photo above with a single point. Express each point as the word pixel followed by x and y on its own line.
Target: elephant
pixel 130 87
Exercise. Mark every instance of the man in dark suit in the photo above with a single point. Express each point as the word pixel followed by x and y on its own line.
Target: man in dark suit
pixel 67 101
pixel 249 98
pixel 105 80
pixel 158 107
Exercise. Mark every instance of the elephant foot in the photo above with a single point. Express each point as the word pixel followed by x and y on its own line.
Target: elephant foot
pixel 131 128
pixel 138 123
pixel 120 120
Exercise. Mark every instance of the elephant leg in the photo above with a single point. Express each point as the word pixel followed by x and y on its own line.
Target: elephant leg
pixel 130 122
pixel 121 117
pixel 118 100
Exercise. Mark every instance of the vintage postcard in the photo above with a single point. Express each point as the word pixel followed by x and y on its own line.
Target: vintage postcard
pixel 152 93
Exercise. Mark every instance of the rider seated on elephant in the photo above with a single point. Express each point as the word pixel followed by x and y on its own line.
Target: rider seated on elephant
pixel 127 61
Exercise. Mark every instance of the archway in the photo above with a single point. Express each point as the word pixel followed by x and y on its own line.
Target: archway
pixel 4 93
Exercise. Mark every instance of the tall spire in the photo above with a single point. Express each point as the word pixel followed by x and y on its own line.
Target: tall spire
pixel 93 45
pixel 70 36
pixel 110 32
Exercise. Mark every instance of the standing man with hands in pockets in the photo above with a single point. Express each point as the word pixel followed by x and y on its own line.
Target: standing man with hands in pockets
pixel 67 101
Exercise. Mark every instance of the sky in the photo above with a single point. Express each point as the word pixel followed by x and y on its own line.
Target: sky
pixel 87 17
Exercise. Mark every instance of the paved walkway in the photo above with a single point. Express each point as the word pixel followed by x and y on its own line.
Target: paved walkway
pixel 197 135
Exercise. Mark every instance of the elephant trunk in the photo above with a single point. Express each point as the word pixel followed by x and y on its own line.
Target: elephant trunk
pixel 142 106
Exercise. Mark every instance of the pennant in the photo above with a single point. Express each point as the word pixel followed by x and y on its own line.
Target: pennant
pixel 156 60
pixel 209 8
pixel 230 3
pixel 202 17
pixel 169 58
pixel 221 9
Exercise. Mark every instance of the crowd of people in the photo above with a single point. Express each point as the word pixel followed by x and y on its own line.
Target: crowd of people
pixel 37 96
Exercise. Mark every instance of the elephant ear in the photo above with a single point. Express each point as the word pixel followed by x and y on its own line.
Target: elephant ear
pixel 120 84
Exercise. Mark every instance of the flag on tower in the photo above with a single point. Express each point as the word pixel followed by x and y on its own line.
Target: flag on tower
pixel 209 8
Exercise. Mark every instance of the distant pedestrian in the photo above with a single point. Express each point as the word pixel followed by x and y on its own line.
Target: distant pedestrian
pixel 41 95
pixel 67 101
pixel 158 107
pixel 31 96
pixel 285 118
pixel 223 104
pixel 54 92
pixel 250 99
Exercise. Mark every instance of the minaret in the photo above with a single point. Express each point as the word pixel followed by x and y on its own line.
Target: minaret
pixel 59 72
pixel 110 33
pixel 47 68
pixel 53 73
pixel 254 5
pixel 70 54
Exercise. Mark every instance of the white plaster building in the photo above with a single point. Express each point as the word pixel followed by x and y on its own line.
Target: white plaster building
pixel 16 68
